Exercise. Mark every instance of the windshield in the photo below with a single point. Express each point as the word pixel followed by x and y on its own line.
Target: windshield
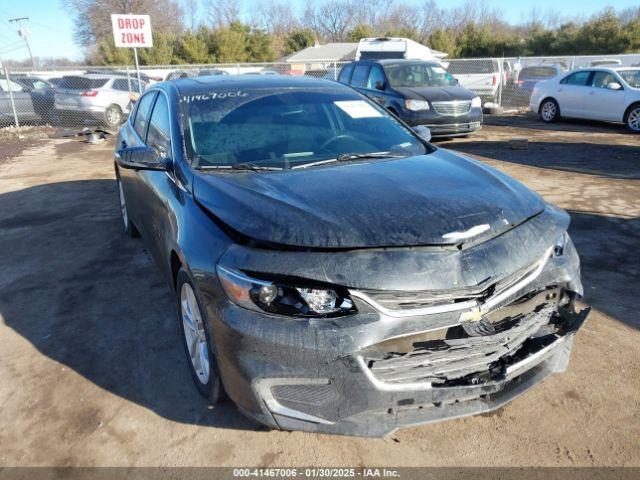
pixel 285 128
pixel 418 75
pixel 632 77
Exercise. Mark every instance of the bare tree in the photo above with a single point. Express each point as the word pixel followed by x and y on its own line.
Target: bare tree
pixel 330 19
pixel 275 17
pixel 191 14
pixel 221 13
pixel 431 18
pixel 92 18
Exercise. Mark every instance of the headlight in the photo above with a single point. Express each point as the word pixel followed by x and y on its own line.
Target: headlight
pixel 282 298
pixel 560 245
pixel 416 105
pixel 476 102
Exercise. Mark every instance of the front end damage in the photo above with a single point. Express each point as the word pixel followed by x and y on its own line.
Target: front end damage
pixel 438 333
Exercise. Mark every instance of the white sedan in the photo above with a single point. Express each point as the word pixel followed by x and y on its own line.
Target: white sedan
pixel 609 94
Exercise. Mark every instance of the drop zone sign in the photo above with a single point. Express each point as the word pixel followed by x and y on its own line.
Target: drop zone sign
pixel 132 31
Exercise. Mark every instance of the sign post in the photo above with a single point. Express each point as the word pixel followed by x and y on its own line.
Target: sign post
pixel 132 31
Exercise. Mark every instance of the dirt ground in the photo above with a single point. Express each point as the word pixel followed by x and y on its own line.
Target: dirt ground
pixel 92 372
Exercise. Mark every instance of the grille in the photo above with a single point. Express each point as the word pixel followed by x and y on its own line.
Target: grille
pixel 401 300
pixel 448 359
pixel 452 108
pixel 313 395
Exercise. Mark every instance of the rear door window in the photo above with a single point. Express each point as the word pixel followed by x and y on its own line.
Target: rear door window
pixel 577 78
pixel 141 120
pixel 375 76
pixel 359 77
pixel 345 74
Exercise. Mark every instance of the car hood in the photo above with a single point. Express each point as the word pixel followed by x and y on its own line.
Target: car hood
pixel 433 199
pixel 437 94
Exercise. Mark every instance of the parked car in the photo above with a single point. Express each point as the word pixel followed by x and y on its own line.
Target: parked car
pixel 95 97
pixel 609 94
pixel 606 62
pixel 333 271
pixel 132 74
pixel 55 81
pixel 23 101
pixel 508 72
pixel 41 92
pixel 531 75
pixel 420 93
pixel 206 72
pixel 327 74
pixel 479 76
pixel 181 74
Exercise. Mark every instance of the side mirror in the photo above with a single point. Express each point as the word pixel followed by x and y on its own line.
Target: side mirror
pixel 614 86
pixel 379 85
pixel 423 132
pixel 141 158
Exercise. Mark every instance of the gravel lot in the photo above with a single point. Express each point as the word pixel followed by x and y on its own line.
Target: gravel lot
pixel 92 371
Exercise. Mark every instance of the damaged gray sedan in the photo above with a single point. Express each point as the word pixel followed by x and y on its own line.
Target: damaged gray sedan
pixel 335 272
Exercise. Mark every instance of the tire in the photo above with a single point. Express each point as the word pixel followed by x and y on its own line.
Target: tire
pixel 113 116
pixel 128 226
pixel 632 118
pixel 194 326
pixel 549 110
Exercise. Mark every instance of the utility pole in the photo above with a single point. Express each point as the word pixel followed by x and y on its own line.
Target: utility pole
pixel 24 33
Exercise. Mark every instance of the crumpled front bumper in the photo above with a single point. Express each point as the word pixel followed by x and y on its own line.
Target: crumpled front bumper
pixel 320 374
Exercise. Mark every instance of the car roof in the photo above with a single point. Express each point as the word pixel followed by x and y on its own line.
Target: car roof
pixel 196 85
pixel 98 76
pixel 398 61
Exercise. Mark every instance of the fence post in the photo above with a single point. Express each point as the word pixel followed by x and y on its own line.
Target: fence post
pixel 13 104
pixel 335 71
pixel 501 71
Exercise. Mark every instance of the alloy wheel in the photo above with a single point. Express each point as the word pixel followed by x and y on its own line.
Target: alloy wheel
pixel 634 119
pixel 113 116
pixel 194 333
pixel 548 111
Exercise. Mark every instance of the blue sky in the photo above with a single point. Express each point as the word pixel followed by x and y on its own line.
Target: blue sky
pixel 52 29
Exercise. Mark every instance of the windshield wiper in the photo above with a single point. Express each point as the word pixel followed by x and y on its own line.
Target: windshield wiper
pixel 240 166
pixel 253 167
pixel 345 157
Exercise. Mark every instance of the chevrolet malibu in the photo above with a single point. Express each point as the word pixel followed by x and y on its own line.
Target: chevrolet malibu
pixel 335 272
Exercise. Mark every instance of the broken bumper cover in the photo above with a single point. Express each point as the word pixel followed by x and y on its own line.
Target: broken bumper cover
pixel 323 374
pixel 399 361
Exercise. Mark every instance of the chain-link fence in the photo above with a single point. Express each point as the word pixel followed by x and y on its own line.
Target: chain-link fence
pixel 78 97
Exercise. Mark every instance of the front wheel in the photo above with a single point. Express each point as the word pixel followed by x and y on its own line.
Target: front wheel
pixel 197 347
pixel 632 118
pixel 549 111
